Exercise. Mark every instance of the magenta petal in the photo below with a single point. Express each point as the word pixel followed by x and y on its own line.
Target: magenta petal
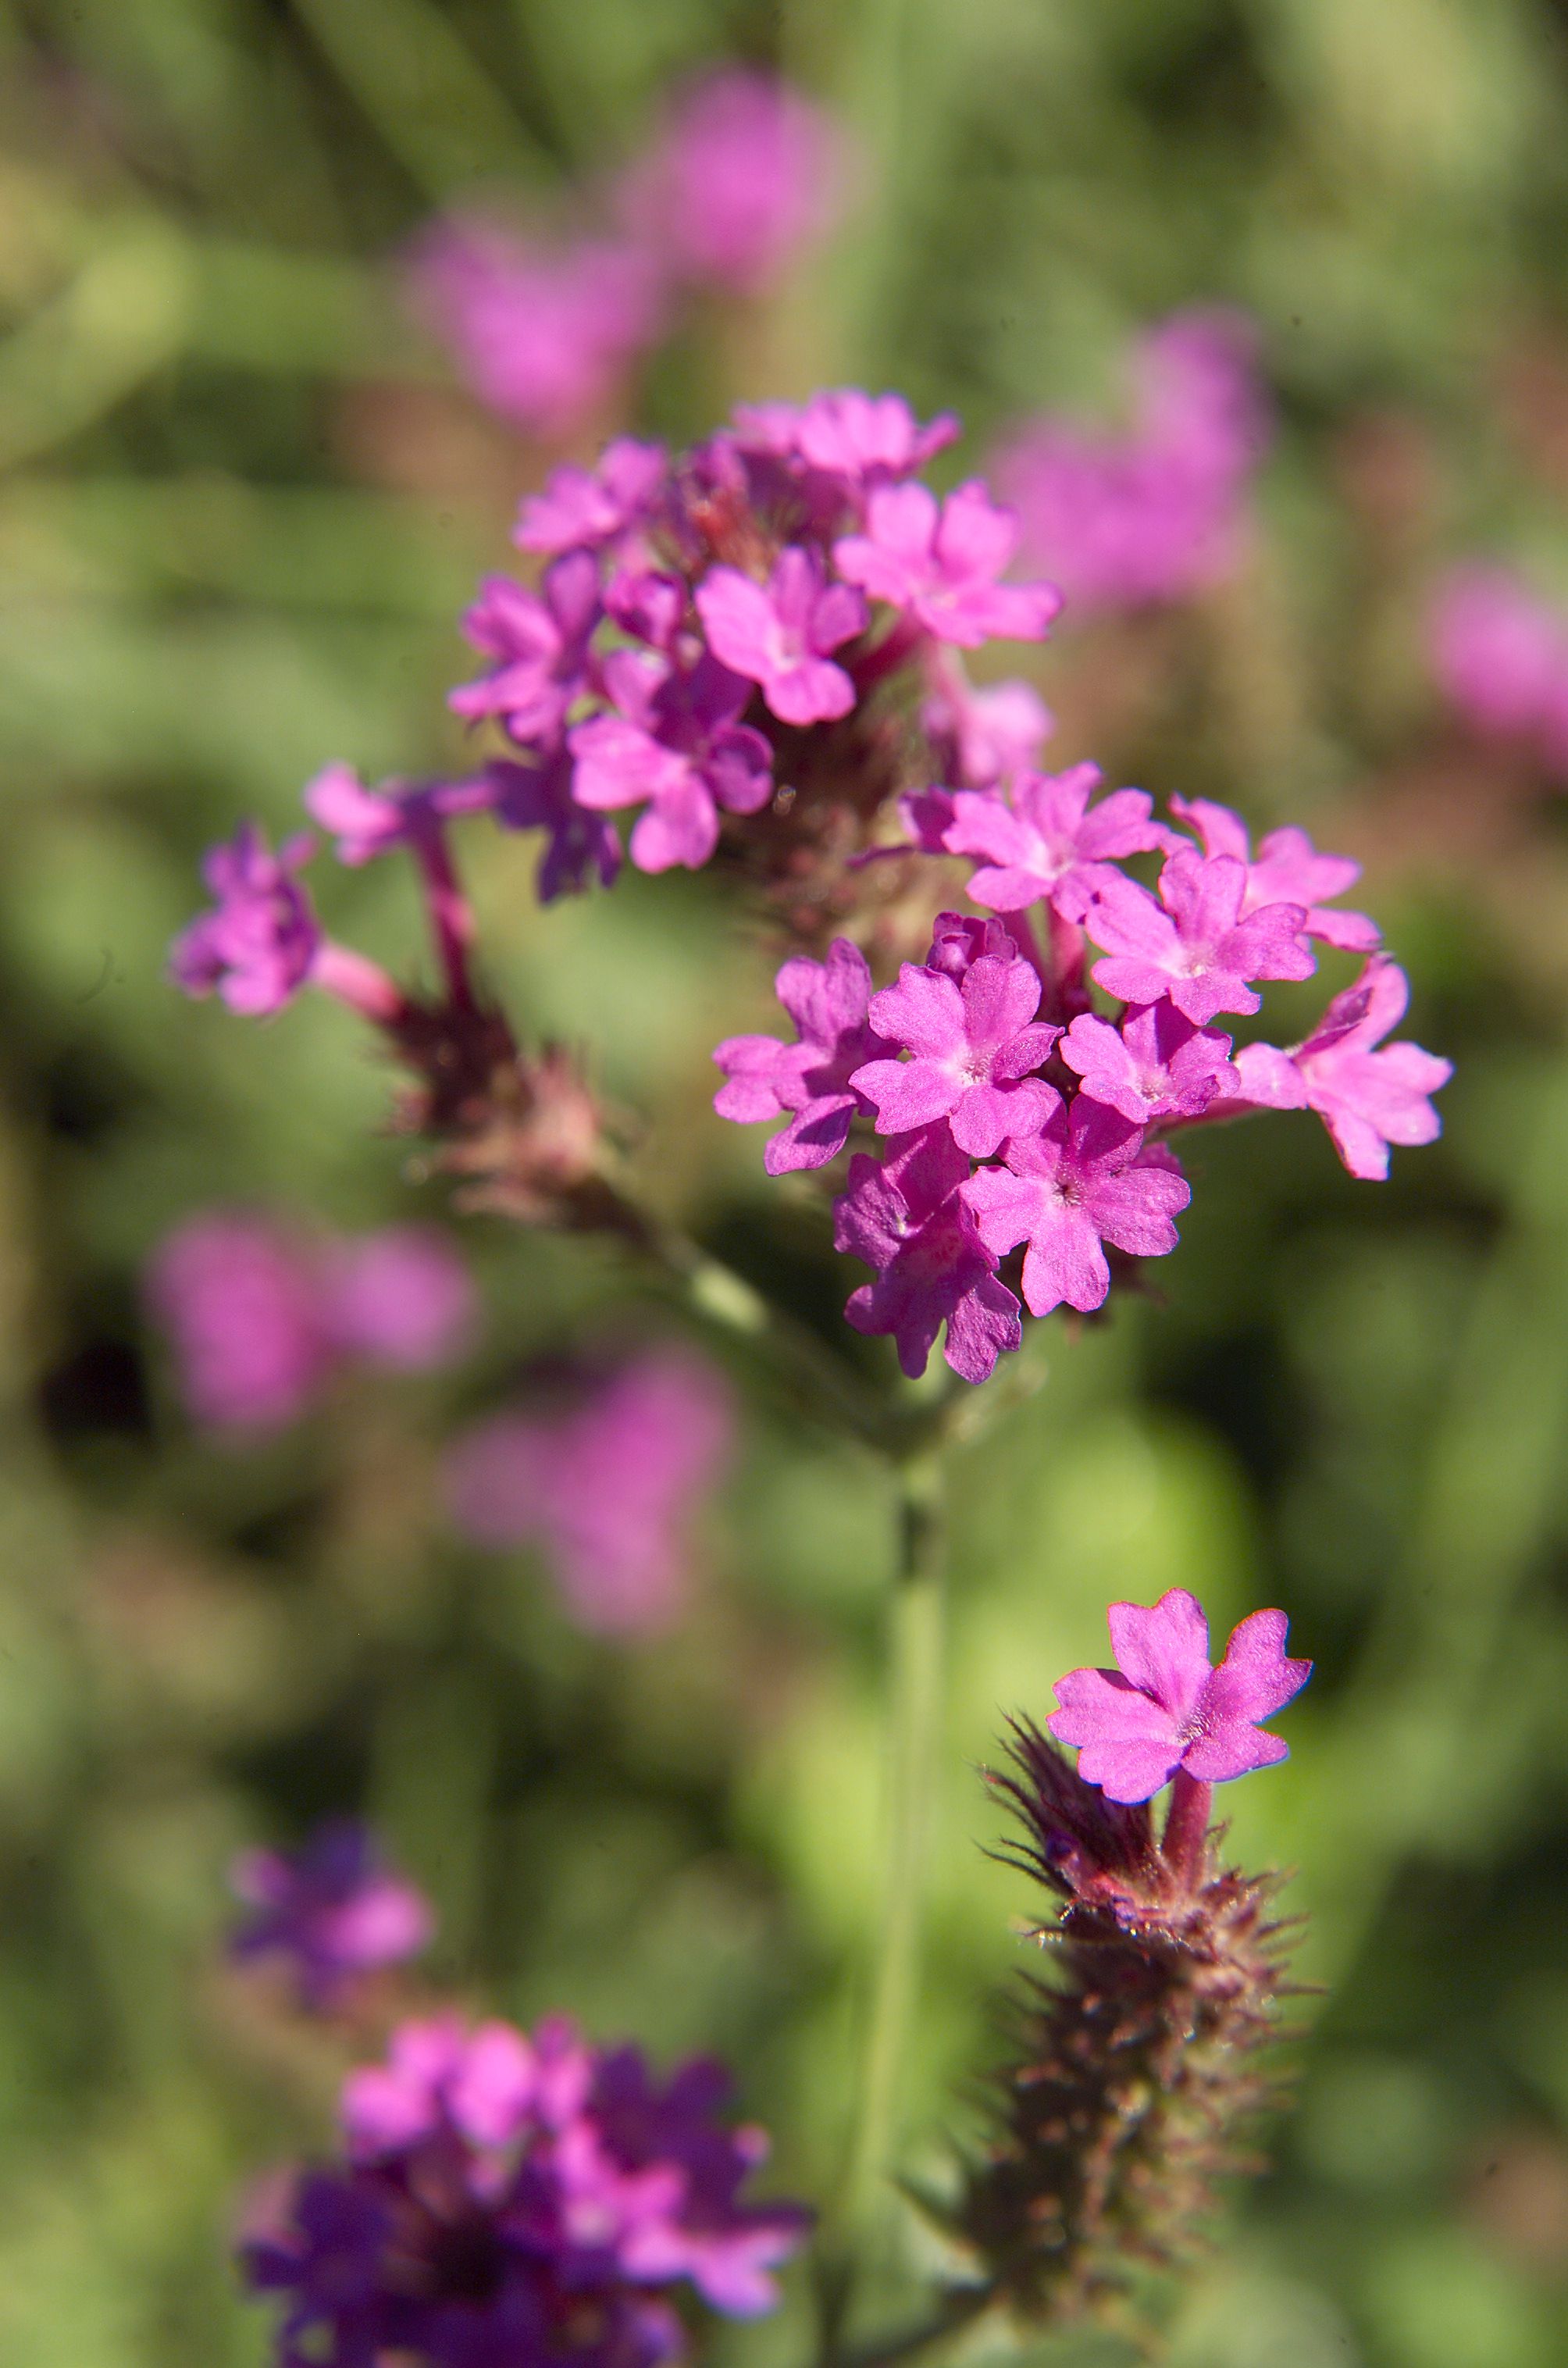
pixel 1233 1751
pixel 1102 1707
pixel 1163 1648
pixel 1256 1676
pixel 1128 1771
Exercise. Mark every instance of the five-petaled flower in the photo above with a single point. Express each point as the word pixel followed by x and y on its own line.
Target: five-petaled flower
pixel 973 1043
pixel 779 635
pixel 1048 841
pixel 1368 1094
pixel 1163 1708
pixel 940 562
pixel 907 1219
pixel 1083 1180
pixel 1194 945
pixel 256 947
pixel 809 1081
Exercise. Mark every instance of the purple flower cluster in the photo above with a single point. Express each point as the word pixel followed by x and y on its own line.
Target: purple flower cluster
pixel 260 1316
pixel 1165 1708
pixel 741 175
pixel 333 1911
pixel 1500 655
pixel 607 1486
pixel 510 2197
pixel 1159 513
pixel 1013 1114
pixel 696 617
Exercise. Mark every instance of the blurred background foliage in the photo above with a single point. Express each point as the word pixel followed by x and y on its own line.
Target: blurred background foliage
pixel 243 503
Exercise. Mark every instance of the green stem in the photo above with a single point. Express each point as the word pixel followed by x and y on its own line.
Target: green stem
pixel 914 1705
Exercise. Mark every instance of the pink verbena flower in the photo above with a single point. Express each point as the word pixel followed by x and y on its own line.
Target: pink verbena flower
pixel 584 509
pixel 544 336
pixel 1193 945
pixel 237 1297
pixel 745 174
pixel 1163 1707
pixel 1287 871
pixel 400 1297
pixel 259 1317
pixel 1155 1064
pixel 1067 1190
pixel 673 741
pixel 1367 1098
pixel 1157 513
pixel 1500 653
pixel 940 562
pixel 609 1487
pixel 333 1909
pixel 809 1082
pixel 905 1217
pixel 1046 841
pixel 578 842
pixel 972 1045
pixel 538 644
pixel 256 949
pixel 779 635
pixel 867 438
pixel 368 823
pixel 512 2196
pixel 989 732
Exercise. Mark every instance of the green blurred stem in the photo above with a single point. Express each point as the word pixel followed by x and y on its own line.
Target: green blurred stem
pixel 913 1718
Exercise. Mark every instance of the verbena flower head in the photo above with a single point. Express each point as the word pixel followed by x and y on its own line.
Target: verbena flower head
pixel 1159 513
pixel 259 1315
pixel 1500 655
pixel 543 332
pixel 743 175
pixel 1165 1708
pixel 256 947
pixel 1020 1117
pixel 331 1910
pixel 752 647
pixel 608 1487
pixel 1132 2064
pixel 505 2196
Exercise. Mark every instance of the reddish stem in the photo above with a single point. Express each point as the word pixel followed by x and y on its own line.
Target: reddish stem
pixel 451 915
pixel 1184 1843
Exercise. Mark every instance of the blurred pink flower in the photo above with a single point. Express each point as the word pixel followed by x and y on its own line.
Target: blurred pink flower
pixel 745 174
pixel 607 1488
pixel 1160 512
pixel 544 334
pixel 1500 655
pixel 258 1314
pixel 333 1908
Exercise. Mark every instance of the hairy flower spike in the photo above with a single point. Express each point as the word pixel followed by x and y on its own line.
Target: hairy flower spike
pixel 1132 2066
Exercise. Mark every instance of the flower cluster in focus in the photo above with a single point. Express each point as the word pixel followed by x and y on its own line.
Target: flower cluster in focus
pixel 605 1483
pixel 1006 1111
pixel 512 2197
pixel 260 1316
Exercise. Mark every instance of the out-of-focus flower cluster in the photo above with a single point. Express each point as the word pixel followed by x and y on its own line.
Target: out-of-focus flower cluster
pixel 1500 655
pixel 1158 513
pixel 742 174
pixel 1011 1111
pixel 260 1316
pixel 606 1480
pixel 333 1911
pixel 505 2197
